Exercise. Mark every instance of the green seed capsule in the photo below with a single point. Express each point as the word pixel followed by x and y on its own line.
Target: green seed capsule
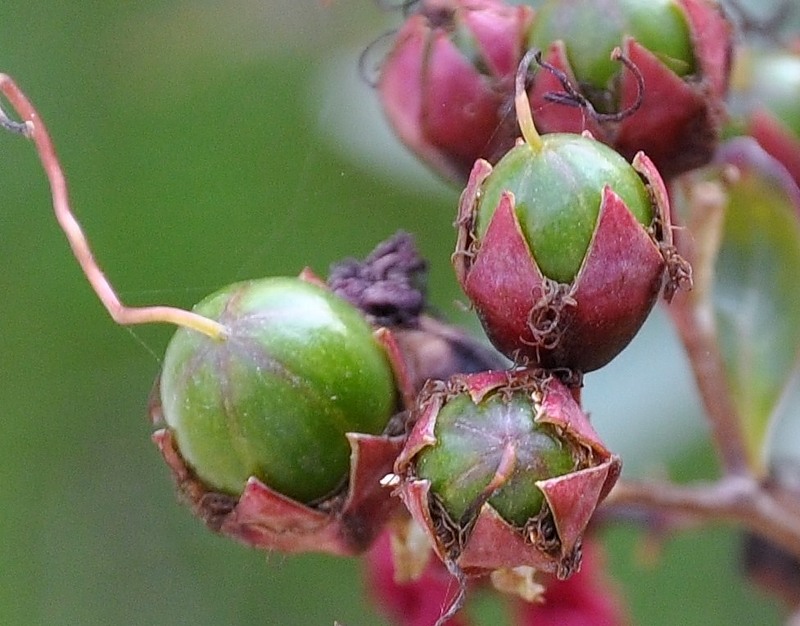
pixel 591 29
pixel 471 440
pixel 299 368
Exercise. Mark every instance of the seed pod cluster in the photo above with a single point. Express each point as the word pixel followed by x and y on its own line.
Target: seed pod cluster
pixel 447 88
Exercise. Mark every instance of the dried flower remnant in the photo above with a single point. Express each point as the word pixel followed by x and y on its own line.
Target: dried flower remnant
pixel 389 288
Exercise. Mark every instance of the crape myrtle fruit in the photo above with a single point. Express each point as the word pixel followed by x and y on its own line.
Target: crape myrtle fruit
pixel 564 246
pixel 666 97
pixel 276 434
pixel 503 470
pixel 447 84
pixel 298 369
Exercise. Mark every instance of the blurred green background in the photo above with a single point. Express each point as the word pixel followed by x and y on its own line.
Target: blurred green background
pixel 207 142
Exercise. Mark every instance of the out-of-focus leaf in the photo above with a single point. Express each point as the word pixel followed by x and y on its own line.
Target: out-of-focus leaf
pixel 756 292
pixel 783 445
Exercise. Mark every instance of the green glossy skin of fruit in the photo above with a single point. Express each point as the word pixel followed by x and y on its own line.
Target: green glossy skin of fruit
pixel 591 29
pixel 470 441
pixel 558 191
pixel 299 369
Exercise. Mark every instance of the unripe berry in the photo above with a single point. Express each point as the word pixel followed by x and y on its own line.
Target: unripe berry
pixel 561 250
pixel 591 29
pixel 298 369
pixel 558 189
pixel 662 92
pixel 471 439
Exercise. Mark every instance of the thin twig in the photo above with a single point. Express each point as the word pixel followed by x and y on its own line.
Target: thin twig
pixel 693 317
pixel 700 342
pixel 33 127
pixel 738 499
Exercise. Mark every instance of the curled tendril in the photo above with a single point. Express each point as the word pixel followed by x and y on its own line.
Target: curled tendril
pixel 571 96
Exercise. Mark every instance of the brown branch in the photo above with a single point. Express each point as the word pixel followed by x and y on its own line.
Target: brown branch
pixel 693 318
pixel 700 342
pixel 770 512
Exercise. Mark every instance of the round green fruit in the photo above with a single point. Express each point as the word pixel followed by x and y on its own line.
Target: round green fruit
pixel 298 369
